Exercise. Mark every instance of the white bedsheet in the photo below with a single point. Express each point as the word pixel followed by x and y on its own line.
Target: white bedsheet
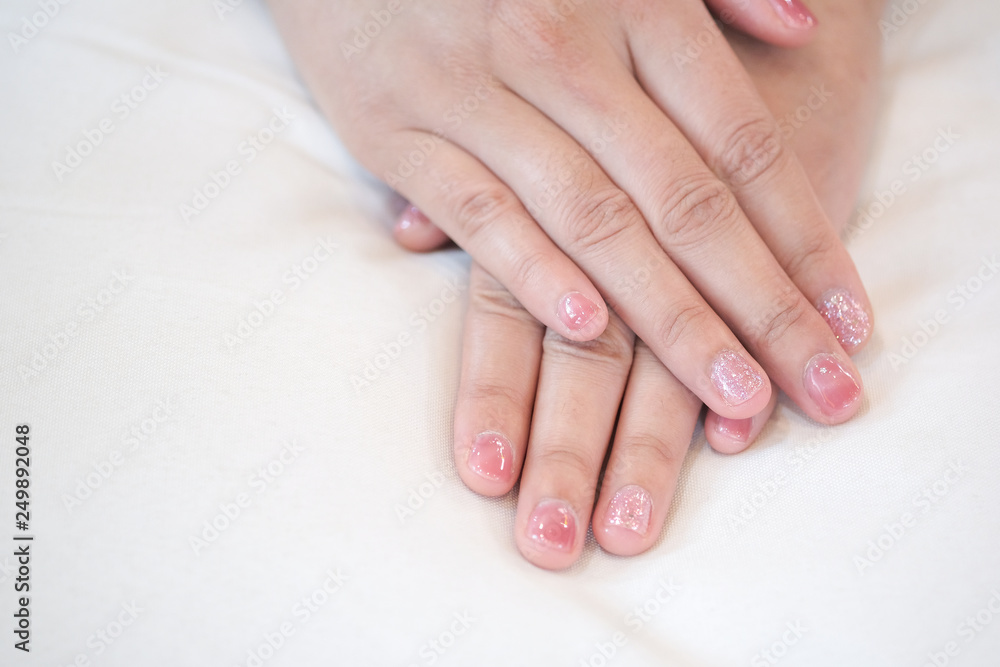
pixel 181 368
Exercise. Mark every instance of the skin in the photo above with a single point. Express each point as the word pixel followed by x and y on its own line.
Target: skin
pixel 557 400
pixel 567 150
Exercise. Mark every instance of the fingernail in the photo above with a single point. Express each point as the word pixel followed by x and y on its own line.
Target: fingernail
pixel 734 378
pixel 552 525
pixel 794 13
pixel 630 508
pixel 847 318
pixel 576 311
pixel 491 456
pixel 412 217
pixel 830 385
pixel 734 429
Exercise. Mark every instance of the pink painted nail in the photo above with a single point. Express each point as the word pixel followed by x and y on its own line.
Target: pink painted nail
pixel 630 508
pixel 830 385
pixel 734 378
pixel 491 456
pixel 794 13
pixel 734 429
pixel 846 317
pixel 576 311
pixel 412 217
pixel 552 526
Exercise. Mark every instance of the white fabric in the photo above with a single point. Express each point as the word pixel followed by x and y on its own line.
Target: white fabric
pixel 785 579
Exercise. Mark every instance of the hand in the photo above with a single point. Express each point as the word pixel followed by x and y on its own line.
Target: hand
pixel 537 405
pixel 658 175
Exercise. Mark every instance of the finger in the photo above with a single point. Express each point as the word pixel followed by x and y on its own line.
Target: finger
pixel 731 436
pixel 501 354
pixel 787 23
pixel 601 229
pixel 654 431
pixel 697 219
pixel 485 218
pixel 580 387
pixel 734 132
pixel 414 231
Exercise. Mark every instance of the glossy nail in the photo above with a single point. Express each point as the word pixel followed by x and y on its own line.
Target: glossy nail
pixel 830 385
pixel 794 13
pixel 552 526
pixel 734 429
pixel 630 508
pixel 576 311
pixel 491 456
pixel 734 378
pixel 847 318
pixel 412 217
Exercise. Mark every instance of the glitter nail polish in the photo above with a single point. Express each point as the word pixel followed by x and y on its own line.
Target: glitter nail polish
pixel 846 317
pixel 630 508
pixel 734 378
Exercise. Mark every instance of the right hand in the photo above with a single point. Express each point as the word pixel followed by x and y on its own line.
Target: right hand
pixel 574 152
pixel 535 407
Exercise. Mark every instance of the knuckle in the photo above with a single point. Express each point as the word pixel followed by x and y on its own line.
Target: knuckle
pixel 529 270
pixel 611 351
pixel 646 451
pixel 811 251
pixel 495 396
pixel 598 220
pixel 578 464
pixel 681 323
pixel 476 210
pixel 785 313
pixel 696 210
pixel 751 150
pixel 495 301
